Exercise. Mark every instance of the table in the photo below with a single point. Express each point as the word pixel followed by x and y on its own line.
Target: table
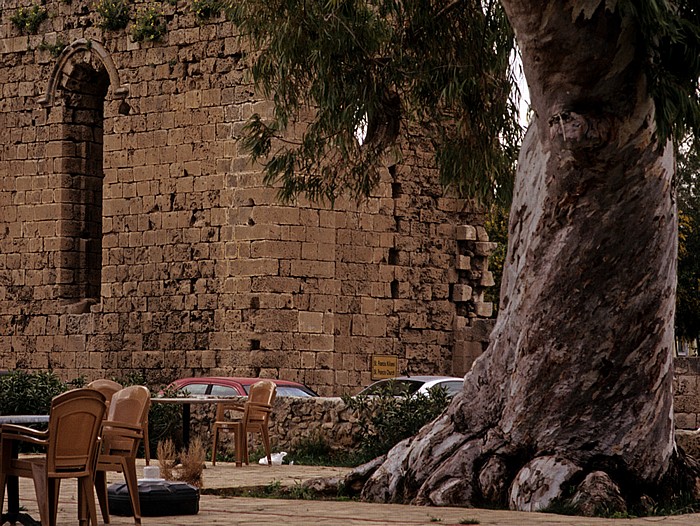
pixel 186 402
pixel 13 515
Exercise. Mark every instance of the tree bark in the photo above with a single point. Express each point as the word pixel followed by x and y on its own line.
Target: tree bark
pixel 576 385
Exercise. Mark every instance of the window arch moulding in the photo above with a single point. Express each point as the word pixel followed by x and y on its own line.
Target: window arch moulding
pixel 82 45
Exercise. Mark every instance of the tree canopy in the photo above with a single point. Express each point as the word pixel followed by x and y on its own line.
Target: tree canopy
pixel 688 291
pixel 441 70
pixel 434 69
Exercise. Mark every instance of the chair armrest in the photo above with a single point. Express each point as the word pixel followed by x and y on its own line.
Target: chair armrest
pixel 24 434
pixel 231 406
pixel 121 429
pixel 223 407
pixel 259 406
pixel 15 428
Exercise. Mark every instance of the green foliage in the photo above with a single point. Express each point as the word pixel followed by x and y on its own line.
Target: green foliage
pixel 28 19
pixel 688 288
pixel 148 26
pixel 206 9
pixel 497 228
pixel 671 43
pixel 25 393
pixel 316 451
pixel 164 421
pixel 387 419
pixel 438 67
pixel 388 67
pixel 275 490
pixel 114 14
pixel 54 49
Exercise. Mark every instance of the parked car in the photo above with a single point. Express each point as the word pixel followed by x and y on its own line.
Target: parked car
pixel 235 386
pixel 413 384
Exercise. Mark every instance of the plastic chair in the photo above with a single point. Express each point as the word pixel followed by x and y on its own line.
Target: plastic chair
pixel 122 432
pixel 254 419
pixel 108 388
pixel 71 443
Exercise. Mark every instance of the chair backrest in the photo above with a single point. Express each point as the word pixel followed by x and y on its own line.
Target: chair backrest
pixel 74 425
pixel 262 392
pixel 129 406
pixel 106 387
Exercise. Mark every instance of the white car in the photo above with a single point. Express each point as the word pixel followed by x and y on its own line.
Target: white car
pixel 413 384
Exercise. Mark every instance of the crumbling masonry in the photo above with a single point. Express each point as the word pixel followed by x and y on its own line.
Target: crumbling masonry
pixel 135 236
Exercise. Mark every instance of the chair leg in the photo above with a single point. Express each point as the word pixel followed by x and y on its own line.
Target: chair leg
pixel 101 490
pixel 266 443
pixel 244 447
pixel 3 482
pixel 146 443
pixel 129 468
pixel 44 493
pixel 86 490
pixel 5 459
pixel 83 513
pixel 215 437
pixel 240 441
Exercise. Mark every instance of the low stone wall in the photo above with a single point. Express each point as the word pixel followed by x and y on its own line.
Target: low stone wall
pixel 294 420
pixel 297 419
pixel 686 397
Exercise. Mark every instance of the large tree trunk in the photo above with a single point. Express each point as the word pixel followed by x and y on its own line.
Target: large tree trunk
pixel 575 390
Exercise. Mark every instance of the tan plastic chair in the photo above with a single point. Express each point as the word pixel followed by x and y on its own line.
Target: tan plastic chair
pixel 71 443
pixel 122 432
pixel 108 388
pixel 254 419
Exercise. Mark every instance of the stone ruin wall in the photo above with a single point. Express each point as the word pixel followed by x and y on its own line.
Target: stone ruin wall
pixel 135 236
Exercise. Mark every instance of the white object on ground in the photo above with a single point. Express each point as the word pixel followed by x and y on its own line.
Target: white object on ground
pixel 276 458
pixel 151 473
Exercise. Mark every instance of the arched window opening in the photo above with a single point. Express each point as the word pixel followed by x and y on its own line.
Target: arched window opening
pixel 81 164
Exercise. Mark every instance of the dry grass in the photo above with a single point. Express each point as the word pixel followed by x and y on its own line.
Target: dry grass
pixel 167 458
pixel 191 462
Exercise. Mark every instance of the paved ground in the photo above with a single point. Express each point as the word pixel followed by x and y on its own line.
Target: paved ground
pixel 250 511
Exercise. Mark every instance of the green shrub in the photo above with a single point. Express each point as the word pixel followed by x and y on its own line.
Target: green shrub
pixel 24 393
pixel 205 9
pixel 148 26
pixel 387 419
pixel 114 14
pixel 316 451
pixel 28 19
pixel 54 49
pixel 165 422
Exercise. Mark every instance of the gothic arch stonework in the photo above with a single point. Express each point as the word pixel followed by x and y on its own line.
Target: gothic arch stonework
pixel 81 51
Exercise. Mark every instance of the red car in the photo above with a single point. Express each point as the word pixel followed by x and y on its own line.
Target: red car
pixel 235 386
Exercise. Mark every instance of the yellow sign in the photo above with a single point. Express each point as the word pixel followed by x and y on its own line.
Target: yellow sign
pixel 384 366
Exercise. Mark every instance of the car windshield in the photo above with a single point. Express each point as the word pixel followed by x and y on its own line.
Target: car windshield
pixel 452 388
pixel 195 389
pixel 286 390
pixel 223 390
pixel 289 390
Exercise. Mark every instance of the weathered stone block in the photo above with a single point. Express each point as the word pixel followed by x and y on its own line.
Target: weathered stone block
pixel 461 292
pixel 465 233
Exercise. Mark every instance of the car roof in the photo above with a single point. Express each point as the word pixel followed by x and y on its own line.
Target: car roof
pixel 234 379
pixel 423 378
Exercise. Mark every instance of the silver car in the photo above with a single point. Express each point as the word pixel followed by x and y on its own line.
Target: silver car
pixel 413 384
